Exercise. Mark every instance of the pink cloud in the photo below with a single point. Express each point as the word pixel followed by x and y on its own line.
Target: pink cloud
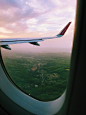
pixel 50 15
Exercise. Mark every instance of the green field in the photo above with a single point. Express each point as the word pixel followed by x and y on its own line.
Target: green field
pixel 42 76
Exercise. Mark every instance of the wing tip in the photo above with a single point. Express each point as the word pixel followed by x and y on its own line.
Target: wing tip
pixel 65 29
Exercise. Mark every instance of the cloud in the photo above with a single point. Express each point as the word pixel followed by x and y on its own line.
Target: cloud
pixel 3 30
pixel 5 4
pixel 19 17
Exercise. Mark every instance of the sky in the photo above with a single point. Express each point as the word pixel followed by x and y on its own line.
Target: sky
pixel 37 18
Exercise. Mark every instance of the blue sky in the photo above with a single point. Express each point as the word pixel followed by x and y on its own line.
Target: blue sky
pixel 37 18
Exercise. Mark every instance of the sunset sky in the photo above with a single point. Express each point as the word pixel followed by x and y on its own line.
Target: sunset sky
pixel 37 18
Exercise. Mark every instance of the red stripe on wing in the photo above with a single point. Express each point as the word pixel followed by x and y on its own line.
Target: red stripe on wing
pixel 64 30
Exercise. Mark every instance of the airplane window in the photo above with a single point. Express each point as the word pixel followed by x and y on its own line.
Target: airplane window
pixel 39 71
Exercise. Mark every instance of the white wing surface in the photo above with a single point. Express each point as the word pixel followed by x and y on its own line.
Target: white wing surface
pixel 6 42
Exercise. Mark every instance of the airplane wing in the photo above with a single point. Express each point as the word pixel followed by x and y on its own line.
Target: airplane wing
pixel 4 43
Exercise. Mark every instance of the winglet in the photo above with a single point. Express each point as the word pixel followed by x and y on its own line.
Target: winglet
pixel 64 30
